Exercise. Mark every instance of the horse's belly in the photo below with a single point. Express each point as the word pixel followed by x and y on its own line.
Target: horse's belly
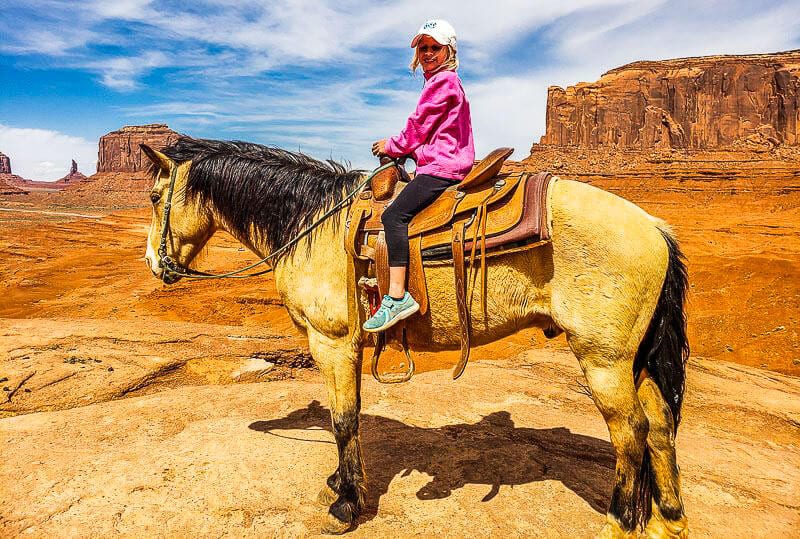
pixel 517 296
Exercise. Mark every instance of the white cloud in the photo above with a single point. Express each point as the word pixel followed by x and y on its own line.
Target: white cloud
pixel 122 9
pixel 497 123
pixel 223 54
pixel 267 35
pixel 120 73
pixel 656 30
pixel 56 43
pixel 41 154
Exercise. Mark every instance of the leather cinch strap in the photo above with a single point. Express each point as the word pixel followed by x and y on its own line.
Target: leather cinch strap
pixel 459 229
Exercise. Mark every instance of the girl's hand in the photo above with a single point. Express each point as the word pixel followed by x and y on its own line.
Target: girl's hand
pixel 379 147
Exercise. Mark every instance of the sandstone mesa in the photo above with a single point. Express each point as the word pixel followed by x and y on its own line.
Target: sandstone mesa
pixel 687 103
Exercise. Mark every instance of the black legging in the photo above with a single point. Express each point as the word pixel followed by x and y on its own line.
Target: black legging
pixel 416 196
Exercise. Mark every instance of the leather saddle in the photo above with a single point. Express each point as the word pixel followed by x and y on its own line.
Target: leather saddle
pixel 486 214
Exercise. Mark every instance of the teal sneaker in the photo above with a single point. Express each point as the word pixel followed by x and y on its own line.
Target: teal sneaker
pixel 391 312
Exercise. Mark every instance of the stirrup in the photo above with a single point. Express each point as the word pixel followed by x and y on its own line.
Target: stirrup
pixel 380 343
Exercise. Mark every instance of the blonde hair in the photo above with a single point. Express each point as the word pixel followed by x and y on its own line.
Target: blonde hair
pixel 451 64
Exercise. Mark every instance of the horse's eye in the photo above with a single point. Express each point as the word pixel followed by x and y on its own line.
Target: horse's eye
pixel 155 197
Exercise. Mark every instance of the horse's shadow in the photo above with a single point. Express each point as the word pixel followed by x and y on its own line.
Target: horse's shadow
pixel 490 452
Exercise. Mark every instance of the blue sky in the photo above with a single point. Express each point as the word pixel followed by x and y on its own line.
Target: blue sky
pixel 322 76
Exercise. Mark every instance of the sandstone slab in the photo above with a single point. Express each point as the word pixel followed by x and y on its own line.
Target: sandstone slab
pixel 511 449
pixel 60 364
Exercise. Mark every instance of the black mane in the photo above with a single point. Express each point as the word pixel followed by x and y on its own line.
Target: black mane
pixel 273 192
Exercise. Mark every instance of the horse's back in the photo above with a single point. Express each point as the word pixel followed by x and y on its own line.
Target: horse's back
pixel 603 268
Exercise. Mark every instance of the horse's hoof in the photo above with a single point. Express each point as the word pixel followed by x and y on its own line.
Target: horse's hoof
pixel 327 496
pixel 612 530
pixel 334 526
pixel 660 528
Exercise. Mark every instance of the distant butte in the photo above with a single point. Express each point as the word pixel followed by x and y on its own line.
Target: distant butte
pixel 24 185
pixel 122 178
pixel 9 182
pixel 119 150
pixel 5 164
pixel 73 175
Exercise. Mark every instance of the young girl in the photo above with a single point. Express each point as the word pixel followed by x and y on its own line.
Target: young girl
pixel 439 136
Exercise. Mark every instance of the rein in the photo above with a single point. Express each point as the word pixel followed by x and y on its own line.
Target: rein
pixel 171 268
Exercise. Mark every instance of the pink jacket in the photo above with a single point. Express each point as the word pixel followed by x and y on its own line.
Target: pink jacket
pixel 439 132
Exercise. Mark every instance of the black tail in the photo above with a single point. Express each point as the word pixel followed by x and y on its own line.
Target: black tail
pixel 665 347
pixel 664 352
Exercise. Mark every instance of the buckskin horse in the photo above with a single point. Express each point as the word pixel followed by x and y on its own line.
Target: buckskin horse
pixel 612 279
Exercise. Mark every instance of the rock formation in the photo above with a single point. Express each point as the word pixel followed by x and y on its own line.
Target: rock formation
pixel 711 145
pixel 8 188
pixel 73 176
pixel 122 178
pixel 5 164
pixel 9 182
pixel 119 150
pixel 752 101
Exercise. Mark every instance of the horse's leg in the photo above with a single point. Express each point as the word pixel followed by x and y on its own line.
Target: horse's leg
pixel 340 363
pixel 668 519
pixel 330 491
pixel 610 381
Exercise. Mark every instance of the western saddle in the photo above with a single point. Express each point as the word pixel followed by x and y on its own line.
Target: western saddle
pixel 487 214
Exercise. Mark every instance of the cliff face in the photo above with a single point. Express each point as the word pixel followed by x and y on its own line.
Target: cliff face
pixel 119 150
pixel 693 103
pixel 5 164
pixel 712 146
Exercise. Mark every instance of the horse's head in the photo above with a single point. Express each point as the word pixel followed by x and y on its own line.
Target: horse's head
pixel 189 224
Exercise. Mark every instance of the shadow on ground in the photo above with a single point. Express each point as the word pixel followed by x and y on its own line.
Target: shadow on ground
pixel 491 452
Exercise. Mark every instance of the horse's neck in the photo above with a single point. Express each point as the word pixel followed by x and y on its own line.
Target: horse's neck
pixel 312 279
pixel 320 253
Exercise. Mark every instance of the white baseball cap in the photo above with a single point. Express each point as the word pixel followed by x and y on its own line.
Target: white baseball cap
pixel 440 30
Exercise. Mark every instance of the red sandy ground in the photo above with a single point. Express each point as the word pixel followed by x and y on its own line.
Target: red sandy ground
pixel 739 232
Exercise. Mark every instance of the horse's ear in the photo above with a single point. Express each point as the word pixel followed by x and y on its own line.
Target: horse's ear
pixel 159 159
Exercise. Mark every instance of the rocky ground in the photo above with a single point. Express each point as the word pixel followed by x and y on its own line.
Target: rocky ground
pixel 127 407
pixel 511 449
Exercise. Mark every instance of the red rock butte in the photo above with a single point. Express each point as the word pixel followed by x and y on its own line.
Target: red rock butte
pixel 119 150
pixel 5 164
pixel 24 186
pixel 9 182
pixel 73 175
pixel 122 178
pixel 693 103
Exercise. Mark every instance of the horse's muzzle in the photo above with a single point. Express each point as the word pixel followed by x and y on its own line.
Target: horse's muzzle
pixel 168 277
pixel 161 273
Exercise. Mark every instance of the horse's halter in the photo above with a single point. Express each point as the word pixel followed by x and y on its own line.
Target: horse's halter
pixel 170 267
pixel 165 261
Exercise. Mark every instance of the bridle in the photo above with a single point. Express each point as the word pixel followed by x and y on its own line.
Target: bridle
pixel 172 268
